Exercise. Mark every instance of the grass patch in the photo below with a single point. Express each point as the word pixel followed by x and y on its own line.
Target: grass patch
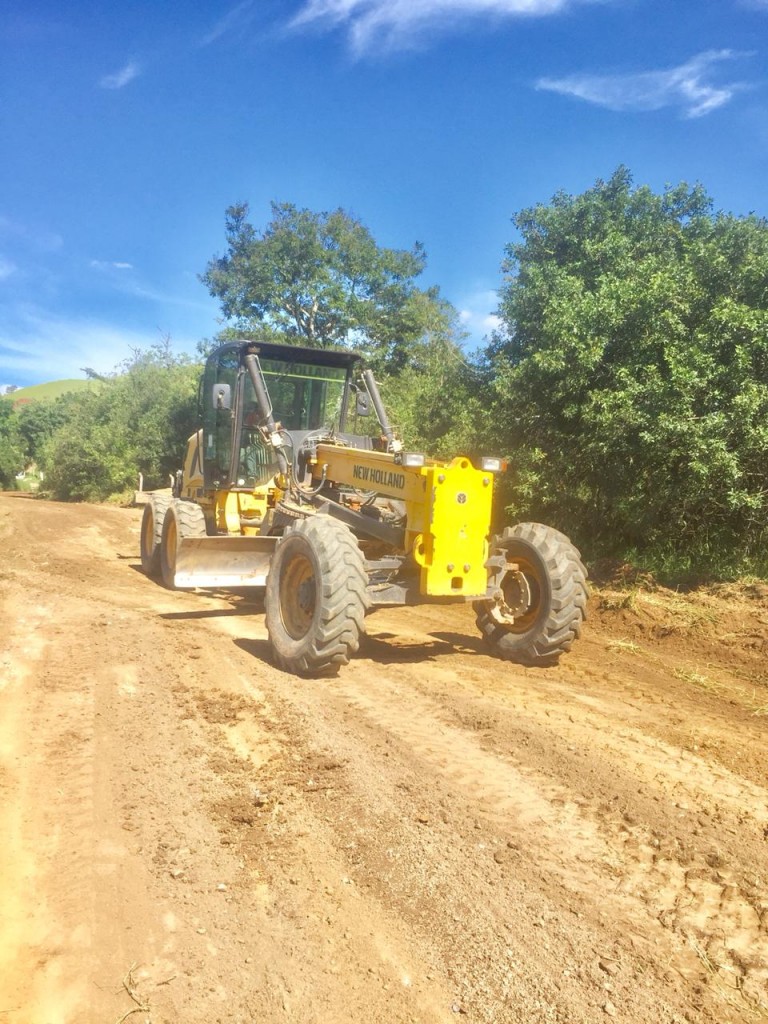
pixel 671 612
pixel 682 615
pixel 48 392
pixel 28 484
pixel 696 678
pixel 624 645
pixel 618 601
pixel 750 701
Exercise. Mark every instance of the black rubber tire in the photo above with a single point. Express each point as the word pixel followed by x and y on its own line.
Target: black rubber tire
pixel 152 531
pixel 557 579
pixel 316 597
pixel 182 519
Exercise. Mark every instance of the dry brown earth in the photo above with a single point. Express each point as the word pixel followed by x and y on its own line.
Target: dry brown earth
pixel 191 835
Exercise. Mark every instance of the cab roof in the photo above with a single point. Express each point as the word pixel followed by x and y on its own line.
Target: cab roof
pixel 334 357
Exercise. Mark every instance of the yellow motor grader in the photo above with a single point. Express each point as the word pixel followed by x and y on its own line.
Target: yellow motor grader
pixel 285 487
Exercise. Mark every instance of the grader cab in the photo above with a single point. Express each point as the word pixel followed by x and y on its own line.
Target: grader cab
pixel 287 486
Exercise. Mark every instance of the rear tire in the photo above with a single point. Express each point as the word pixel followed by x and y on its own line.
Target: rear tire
pixel 554 578
pixel 316 597
pixel 152 532
pixel 182 519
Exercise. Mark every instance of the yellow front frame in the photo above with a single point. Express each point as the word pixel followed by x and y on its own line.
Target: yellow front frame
pixel 448 511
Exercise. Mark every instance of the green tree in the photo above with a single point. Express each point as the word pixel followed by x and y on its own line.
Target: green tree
pixel 631 372
pixel 138 422
pixel 320 279
pixel 435 400
pixel 37 422
pixel 11 445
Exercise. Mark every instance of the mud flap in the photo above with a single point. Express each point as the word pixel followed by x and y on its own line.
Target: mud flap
pixel 223 561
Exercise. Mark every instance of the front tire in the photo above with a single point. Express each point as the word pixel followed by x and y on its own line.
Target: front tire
pixel 316 597
pixel 152 532
pixel 182 519
pixel 548 594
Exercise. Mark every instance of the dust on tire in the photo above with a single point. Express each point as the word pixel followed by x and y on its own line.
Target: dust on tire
pixel 558 581
pixel 316 597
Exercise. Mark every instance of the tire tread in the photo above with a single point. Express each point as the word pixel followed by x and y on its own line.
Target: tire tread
pixel 152 521
pixel 552 634
pixel 342 592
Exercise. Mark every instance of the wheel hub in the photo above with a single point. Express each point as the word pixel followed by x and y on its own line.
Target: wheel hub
pixel 298 597
pixel 513 601
pixel 306 596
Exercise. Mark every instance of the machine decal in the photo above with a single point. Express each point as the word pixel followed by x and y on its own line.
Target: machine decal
pixel 382 477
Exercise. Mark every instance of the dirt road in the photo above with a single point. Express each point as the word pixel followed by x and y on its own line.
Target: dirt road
pixel 190 835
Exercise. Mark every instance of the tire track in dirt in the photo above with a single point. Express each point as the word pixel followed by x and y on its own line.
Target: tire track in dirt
pixel 433 836
pixel 306 907
pixel 64 954
pixel 434 880
pixel 51 837
pixel 607 849
pixel 706 820
pixel 24 649
pixel 698 900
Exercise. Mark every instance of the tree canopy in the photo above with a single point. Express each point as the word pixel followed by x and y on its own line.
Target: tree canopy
pixel 137 422
pixel 631 371
pixel 11 445
pixel 91 444
pixel 321 279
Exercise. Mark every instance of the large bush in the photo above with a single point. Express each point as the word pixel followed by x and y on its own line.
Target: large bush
pixel 138 422
pixel 631 373
pixel 12 459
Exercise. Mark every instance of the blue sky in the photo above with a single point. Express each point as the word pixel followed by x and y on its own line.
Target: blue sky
pixel 127 129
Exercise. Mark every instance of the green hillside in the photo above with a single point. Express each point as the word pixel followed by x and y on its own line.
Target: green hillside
pixel 48 392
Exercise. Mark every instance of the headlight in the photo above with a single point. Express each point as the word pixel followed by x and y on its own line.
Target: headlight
pixel 411 459
pixel 492 465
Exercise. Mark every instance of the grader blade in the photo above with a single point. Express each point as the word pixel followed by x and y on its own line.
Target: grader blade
pixel 212 562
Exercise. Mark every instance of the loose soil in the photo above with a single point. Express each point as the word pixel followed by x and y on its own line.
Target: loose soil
pixel 191 835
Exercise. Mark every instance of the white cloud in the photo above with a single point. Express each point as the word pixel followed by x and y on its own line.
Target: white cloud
pixel 477 314
pixel 114 274
pixel 685 86
pixel 110 265
pixel 121 78
pixel 401 23
pixel 234 18
pixel 39 346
